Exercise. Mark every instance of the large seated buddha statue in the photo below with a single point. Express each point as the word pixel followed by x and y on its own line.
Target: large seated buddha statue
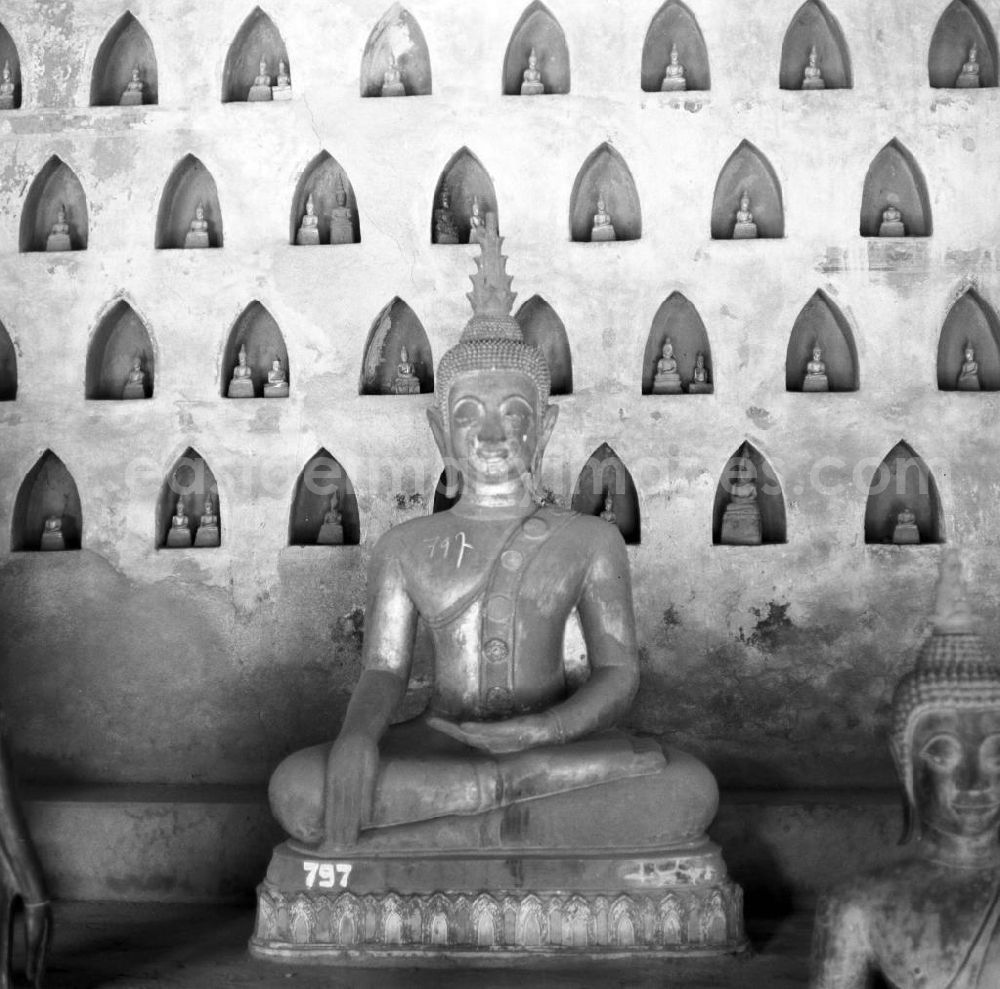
pixel 512 816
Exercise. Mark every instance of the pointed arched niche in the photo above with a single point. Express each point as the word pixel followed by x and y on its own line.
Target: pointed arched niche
pixel 126 47
pixel 894 179
pixel 55 187
pixel 397 34
pixel 605 476
pixel 962 25
pixel 541 327
pixel 119 339
pixel 48 491
pixel 822 324
pixel 814 25
pixel 257 39
pixel 465 180
pixel 674 24
pixel 8 367
pixel 970 322
pixel 678 320
pixel 395 327
pixel 9 57
pixel 448 490
pixel 192 479
pixel 903 482
pixel 326 181
pixel 190 185
pixel 537 29
pixel 258 331
pixel 321 479
pixel 605 175
pixel 747 170
pixel 770 501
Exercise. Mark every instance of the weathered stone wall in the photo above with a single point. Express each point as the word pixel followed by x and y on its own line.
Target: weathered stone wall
pixel 124 663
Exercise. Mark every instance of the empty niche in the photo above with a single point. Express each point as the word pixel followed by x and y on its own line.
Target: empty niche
pixel 605 488
pixel 537 31
pixel 120 340
pixel 749 505
pixel 258 40
pixel 604 177
pixel 813 26
pixel 894 180
pixel 748 171
pixel 822 325
pixel 190 185
pixel 321 480
pixel 970 323
pixel 541 327
pixel 334 204
pixel 463 182
pixel 962 26
pixel 188 513
pixel 679 321
pixel 448 490
pixel 10 63
pixel 54 217
pixel 675 25
pixel 903 504
pixel 47 508
pixel 8 367
pixel 385 369
pixel 396 44
pixel 126 48
pixel 256 331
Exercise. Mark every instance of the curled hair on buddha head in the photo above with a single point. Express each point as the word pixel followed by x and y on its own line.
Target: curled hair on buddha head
pixel 953 672
pixel 492 339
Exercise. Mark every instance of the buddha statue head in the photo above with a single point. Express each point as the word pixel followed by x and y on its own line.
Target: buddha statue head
pixel 53 523
pixel 973 54
pixel 310 206
pixel 6 71
pixel 532 59
pixel 668 348
pixel 946 732
pixel 492 417
pixel 744 201
pixel 813 56
pixel 339 192
pixel 242 356
pixel 263 66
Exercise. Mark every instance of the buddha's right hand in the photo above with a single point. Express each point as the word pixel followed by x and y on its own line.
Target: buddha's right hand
pixel 350 785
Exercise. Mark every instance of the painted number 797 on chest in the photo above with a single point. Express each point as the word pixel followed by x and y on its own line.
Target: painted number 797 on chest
pixel 326 875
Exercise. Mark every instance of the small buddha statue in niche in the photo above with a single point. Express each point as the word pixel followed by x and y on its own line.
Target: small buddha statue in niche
pixel 52 534
pixel 905 531
pixel 406 381
pixel 135 386
pixel 745 228
pixel 700 385
pixel 179 534
pixel 207 536
pixel 816 379
pixel 241 384
pixel 134 91
pixel 667 380
pixel 892 222
pixel 968 78
pixel 608 512
pixel 7 88
pixel 812 78
pixel 532 84
pixel 197 235
pixel 282 89
pixel 968 377
pixel 277 382
pixel 445 231
pixel 331 532
pixel 308 234
pixel 58 239
pixel 931 919
pixel 392 80
pixel 673 76
pixel 475 222
pixel 741 518
pixel 260 91
pixel 603 228
pixel 341 218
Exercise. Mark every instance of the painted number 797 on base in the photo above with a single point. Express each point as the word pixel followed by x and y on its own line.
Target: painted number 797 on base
pixel 326 875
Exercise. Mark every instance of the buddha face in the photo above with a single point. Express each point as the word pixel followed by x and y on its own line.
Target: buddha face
pixel 817 353
pixel 668 349
pixel 700 361
pixel 956 771
pixel 199 212
pixel 969 354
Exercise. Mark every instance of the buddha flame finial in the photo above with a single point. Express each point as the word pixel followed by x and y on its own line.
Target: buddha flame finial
pixel 491 297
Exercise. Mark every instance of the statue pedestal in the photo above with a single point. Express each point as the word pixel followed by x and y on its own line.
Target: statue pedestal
pixel 406 386
pixel 699 388
pixel 446 239
pixel 134 389
pixel 667 384
pixel 813 84
pixel 893 228
pixel 179 539
pixel 259 94
pixel 207 537
pixel 52 541
pixel 307 236
pixel 196 239
pixel 673 86
pixel 603 233
pixel 240 388
pixel 381 908
pixel 341 226
pixel 393 89
pixel 906 534
pixel 745 231
pixel 968 382
pixel 970 81
pixel 6 101
pixel 281 93
pixel 532 89
pixel 58 242
pixel 741 525
pixel 130 99
pixel 816 382
pixel 330 534
pixel 276 391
